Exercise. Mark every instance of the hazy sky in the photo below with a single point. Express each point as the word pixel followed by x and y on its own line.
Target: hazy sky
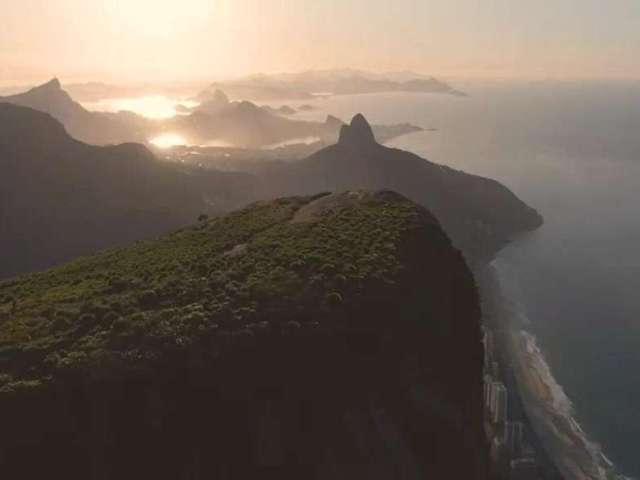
pixel 201 39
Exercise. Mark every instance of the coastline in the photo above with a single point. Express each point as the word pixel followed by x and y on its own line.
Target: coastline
pixel 547 407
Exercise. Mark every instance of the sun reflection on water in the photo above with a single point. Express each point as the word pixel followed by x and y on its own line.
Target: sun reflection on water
pixel 168 140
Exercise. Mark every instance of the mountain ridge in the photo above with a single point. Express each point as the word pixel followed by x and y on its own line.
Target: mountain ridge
pixel 217 119
pixel 332 336
pixel 65 186
pixel 480 214
pixel 61 198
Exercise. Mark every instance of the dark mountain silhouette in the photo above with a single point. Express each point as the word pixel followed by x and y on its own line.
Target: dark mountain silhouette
pixel 242 124
pixel 91 127
pixel 60 198
pixel 480 214
pixel 328 337
pixel 49 98
pixel 245 124
pixel 358 134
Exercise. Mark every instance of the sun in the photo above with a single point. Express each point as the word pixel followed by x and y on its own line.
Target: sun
pixel 158 18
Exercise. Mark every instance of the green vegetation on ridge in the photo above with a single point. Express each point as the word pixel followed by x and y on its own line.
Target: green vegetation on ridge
pixel 241 275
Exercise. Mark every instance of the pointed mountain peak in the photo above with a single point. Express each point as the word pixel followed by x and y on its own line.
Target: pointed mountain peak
pixel 49 89
pixel 361 123
pixel 53 84
pixel 358 133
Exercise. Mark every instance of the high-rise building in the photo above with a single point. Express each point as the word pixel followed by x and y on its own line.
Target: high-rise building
pixel 500 401
pixel 496 400
pixel 524 469
pixel 488 380
pixel 495 369
pixel 492 400
pixel 513 435
pixel 488 342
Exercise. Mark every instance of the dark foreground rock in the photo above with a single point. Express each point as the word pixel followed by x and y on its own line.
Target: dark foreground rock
pixel 328 337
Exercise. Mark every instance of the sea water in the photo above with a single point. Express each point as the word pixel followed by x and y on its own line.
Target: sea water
pixel 572 151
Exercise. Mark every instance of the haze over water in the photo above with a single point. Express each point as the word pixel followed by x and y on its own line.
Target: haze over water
pixel 573 152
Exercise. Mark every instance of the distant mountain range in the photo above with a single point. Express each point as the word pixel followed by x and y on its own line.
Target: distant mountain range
pixel 60 198
pixel 91 127
pixel 246 124
pixel 306 85
pixel 217 119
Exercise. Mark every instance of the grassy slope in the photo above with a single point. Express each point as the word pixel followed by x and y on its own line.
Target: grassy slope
pixel 231 277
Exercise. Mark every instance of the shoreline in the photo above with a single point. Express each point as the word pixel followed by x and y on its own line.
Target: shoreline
pixel 547 407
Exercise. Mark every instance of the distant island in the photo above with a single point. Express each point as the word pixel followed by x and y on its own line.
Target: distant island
pixel 313 84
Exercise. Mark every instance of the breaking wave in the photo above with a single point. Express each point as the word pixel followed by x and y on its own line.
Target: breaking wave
pixel 548 406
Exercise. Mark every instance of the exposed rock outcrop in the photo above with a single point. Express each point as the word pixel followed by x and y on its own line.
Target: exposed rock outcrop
pixel 358 135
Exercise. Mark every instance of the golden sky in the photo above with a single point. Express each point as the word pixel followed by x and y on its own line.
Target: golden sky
pixel 159 40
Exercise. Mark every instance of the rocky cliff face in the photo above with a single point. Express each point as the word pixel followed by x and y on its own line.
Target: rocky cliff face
pixel 328 337
pixel 359 134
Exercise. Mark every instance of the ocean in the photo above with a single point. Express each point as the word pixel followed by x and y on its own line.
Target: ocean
pixel 572 151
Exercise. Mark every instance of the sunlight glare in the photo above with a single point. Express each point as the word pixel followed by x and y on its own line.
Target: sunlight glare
pixel 168 140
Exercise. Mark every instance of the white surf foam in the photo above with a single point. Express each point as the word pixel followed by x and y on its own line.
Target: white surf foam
pixel 561 411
